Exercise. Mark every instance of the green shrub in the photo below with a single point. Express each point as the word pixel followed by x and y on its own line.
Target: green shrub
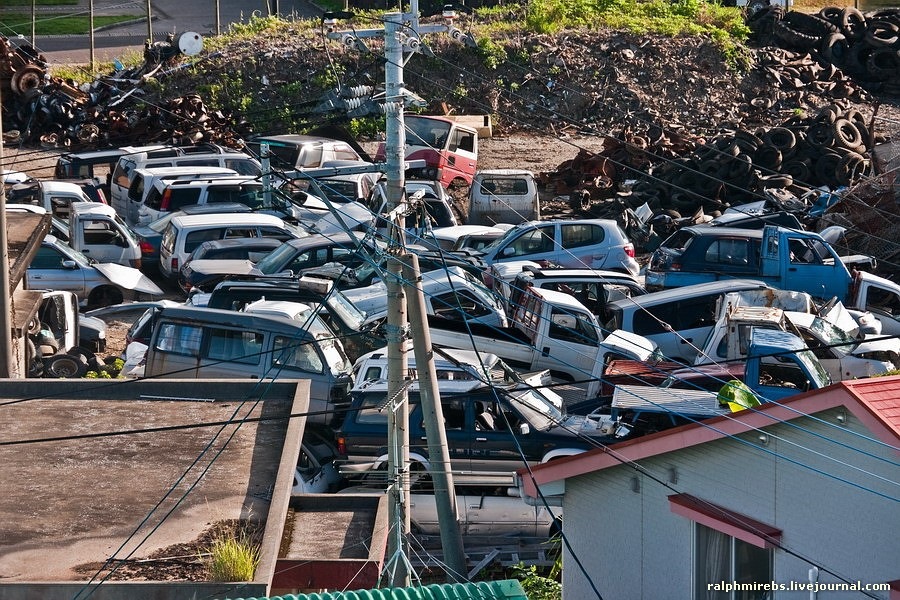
pixel 232 557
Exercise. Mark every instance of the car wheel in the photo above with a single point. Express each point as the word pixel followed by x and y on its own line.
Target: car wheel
pixel 65 366
pixel 104 296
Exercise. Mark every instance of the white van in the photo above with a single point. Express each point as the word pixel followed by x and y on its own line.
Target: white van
pixel 185 232
pixel 209 155
pixel 678 320
pixel 503 196
pixel 143 181
pixel 190 342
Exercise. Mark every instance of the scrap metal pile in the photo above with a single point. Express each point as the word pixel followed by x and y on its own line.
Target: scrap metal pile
pixel 52 112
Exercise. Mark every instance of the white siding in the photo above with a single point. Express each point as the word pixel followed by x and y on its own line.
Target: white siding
pixel 633 547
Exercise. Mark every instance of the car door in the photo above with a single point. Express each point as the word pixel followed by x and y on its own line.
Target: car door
pixel 51 269
pixel 458 428
pixel 497 438
pixel 582 245
pixel 575 344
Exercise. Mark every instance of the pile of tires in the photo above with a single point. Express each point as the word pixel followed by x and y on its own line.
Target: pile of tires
pixel 44 358
pixel 865 45
pixel 830 149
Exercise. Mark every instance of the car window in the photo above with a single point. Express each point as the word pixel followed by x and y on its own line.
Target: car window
pixel 136 191
pixel 679 240
pixel 198 162
pixel 581 234
pixel 345 153
pixel 534 241
pixel 195 238
pixel 310 156
pixel 695 312
pixel 654 320
pixel 179 197
pixel 47 258
pixel 569 326
pixel 729 252
pixel 122 174
pixel 234 346
pixel 291 353
pixel 882 300
pixel 450 304
pixel 275 233
pixel 179 338
pixel 243 166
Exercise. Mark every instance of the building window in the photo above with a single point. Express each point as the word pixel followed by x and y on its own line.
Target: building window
pixel 722 559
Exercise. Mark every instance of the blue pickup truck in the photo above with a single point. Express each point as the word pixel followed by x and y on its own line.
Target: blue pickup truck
pixel 784 258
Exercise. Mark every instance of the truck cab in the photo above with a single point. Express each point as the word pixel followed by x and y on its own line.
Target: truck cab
pixel 449 149
pixel 99 233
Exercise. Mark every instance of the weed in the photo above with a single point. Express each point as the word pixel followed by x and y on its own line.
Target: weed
pixel 492 53
pixel 232 555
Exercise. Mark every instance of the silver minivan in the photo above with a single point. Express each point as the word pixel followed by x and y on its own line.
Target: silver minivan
pixel 184 233
pixel 679 319
pixel 144 180
pixel 272 340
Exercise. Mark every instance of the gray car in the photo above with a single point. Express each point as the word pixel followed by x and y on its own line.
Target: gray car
pixel 56 266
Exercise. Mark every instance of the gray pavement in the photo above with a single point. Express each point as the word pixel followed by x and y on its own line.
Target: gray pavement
pixel 166 16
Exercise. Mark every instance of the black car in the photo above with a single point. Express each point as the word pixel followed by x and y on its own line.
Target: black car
pixel 484 431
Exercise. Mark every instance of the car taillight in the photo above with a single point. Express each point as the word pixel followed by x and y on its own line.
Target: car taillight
pixel 146 247
pixel 675 266
pixel 174 265
pixel 164 202
pixel 629 250
pixel 342 446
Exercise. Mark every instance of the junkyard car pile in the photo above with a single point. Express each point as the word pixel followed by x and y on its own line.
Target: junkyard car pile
pixel 550 343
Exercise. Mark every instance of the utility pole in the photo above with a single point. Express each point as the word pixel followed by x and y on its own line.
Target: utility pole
pixel 33 21
pixel 91 27
pixel 6 350
pixel 403 285
pixel 149 24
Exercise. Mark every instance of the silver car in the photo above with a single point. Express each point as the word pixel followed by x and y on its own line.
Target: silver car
pixel 56 266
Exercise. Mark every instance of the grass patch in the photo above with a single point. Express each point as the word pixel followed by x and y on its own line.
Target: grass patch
pixel 59 25
pixel 233 555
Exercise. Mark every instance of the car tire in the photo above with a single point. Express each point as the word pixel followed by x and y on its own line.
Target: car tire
pixel 65 366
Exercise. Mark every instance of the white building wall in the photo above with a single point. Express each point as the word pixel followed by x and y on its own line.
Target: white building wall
pixel 633 546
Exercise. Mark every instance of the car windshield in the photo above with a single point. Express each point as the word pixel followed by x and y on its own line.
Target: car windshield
pixel 274 261
pixel 338 190
pixel 346 311
pixel 72 254
pixel 514 231
pixel 812 364
pixel 426 132
pixel 333 351
pixel 832 335
pixel 537 410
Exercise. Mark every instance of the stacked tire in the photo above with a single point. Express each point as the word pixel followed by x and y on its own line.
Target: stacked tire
pixel 829 149
pixel 864 45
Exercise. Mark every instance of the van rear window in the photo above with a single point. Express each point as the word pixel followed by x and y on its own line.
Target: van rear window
pixel 179 338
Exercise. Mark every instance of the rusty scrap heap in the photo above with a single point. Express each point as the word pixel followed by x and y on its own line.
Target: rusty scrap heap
pixel 52 112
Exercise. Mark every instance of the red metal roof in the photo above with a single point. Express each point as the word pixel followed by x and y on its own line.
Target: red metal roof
pixel 881 396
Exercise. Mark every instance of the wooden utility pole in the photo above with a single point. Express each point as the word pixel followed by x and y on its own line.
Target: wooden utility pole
pixel 6 349
pixel 149 23
pixel 91 27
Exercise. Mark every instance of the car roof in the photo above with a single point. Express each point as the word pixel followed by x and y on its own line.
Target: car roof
pixel 295 138
pixel 322 239
pixel 212 181
pixel 705 230
pixel 502 173
pixel 226 219
pixel 569 274
pixel 214 207
pixel 259 242
pixel 687 291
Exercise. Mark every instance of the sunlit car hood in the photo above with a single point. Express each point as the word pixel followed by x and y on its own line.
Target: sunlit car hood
pixel 128 278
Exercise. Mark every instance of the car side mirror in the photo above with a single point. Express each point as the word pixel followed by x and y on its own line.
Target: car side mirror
pixel 69 264
pixel 524 429
pixel 508 251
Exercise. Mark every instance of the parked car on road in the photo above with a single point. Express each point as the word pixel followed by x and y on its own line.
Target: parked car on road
pixel 577 244
pixel 56 266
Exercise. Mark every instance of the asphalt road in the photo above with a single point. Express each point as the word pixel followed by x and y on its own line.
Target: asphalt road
pixel 166 16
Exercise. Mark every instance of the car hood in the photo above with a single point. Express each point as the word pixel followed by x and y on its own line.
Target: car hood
pixel 128 278
pixel 236 266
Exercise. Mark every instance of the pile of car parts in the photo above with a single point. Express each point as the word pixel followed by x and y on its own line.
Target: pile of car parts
pixel 866 46
pixel 52 112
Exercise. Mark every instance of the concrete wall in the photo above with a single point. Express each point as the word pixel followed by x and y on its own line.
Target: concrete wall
pixel 633 547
